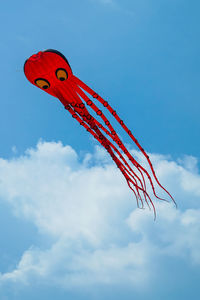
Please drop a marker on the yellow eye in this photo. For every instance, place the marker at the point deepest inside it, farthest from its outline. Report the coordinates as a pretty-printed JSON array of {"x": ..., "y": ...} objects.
[
  {"x": 61, "y": 74},
  {"x": 42, "y": 83}
]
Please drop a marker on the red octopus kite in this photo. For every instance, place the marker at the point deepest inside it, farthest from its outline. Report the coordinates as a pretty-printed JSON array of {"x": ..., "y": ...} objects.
[{"x": 50, "y": 71}]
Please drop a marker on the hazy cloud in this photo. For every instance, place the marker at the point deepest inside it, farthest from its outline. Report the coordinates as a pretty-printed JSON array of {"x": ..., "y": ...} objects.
[{"x": 98, "y": 234}]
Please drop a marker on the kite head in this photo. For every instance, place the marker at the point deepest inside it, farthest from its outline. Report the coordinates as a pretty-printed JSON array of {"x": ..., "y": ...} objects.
[{"x": 48, "y": 70}]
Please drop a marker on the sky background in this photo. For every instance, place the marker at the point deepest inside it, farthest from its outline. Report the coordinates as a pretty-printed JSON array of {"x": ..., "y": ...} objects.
[{"x": 59, "y": 237}]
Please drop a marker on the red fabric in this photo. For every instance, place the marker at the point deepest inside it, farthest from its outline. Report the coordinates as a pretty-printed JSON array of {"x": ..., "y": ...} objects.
[{"x": 71, "y": 92}]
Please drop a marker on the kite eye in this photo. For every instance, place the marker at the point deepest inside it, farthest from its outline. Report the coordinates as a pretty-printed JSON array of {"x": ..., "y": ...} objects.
[
  {"x": 42, "y": 83},
  {"x": 61, "y": 74}
]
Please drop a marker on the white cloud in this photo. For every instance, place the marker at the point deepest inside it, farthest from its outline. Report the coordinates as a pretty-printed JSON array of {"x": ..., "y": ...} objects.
[{"x": 98, "y": 235}]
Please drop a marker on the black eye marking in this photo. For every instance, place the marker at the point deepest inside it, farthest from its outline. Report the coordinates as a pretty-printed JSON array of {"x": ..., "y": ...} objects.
[
  {"x": 61, "y": 74},
  {"x": 42, "y": 83}
]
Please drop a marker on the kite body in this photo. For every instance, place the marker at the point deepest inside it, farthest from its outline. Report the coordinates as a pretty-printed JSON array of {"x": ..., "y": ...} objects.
[{"x": 50, "y": 71}]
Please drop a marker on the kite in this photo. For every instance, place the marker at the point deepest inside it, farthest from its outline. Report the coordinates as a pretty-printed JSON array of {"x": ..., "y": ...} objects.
[{"x": 50, "y": 71}]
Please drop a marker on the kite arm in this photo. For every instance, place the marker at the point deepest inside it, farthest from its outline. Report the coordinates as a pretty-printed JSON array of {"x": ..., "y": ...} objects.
[
  {"x": 116, "y": 116},
  {"x": 117, "y": 139},
  {"x": 80, "y": 108},
  {"x": 94, "y": 130},
  {"x": 108, "y": 145}
]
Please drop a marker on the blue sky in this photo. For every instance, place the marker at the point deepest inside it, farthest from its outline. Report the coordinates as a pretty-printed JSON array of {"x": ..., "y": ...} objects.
[{"x": 59, "y": 241}]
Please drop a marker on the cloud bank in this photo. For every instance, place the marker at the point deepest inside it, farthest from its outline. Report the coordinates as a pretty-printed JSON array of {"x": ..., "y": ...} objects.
[{"x": 87, "y": 211}]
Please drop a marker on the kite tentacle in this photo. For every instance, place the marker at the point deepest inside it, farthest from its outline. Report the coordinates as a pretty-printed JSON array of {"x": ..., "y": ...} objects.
[
  {"x": 133, "y": 175},
  {"x": 77, "y": 107},
  {"x": 113, "y": 112},
  {"x": 107, "y": 145},
  {"x": 112, "y": 132},
  {"x": 118, "y": 141}
]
